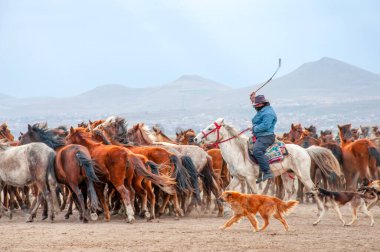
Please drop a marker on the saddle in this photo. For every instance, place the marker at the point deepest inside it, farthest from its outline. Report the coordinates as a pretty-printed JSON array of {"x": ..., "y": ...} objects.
[{"x": 274, "y": 153}]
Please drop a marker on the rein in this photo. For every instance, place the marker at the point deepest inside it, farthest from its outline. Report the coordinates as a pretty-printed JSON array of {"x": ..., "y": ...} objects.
[{"x": 218, "y": 140}]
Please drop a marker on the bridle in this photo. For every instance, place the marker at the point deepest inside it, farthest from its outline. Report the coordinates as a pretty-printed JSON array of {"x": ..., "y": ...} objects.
[{"x": 218, "y": 139}]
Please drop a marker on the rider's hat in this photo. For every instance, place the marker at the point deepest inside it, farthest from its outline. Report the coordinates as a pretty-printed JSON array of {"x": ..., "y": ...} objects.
[{"x": 260, "y": 99}]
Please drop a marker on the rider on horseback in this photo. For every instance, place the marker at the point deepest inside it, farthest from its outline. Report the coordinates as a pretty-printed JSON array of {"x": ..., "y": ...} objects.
[{"x": 263, "y": 129}]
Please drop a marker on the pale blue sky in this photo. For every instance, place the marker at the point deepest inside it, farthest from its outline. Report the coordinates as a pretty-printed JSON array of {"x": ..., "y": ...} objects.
[{"x": 63, "y": 47}]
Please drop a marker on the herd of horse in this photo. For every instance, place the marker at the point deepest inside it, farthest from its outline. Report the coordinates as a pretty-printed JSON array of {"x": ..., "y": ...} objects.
[{"x": 104, "y": 167}]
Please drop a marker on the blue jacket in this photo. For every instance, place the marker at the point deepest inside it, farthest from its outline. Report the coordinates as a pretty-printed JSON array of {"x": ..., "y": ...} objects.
[{"x": 264, "y": 122}]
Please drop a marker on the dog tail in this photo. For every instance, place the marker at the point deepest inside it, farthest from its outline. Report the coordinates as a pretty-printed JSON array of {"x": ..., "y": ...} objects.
[{"x": 285, "y": 207}]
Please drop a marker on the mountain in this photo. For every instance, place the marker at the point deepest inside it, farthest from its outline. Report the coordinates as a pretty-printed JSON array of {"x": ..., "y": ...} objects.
[
  {"x": 323, "y": 92},
  {"x": 324, "y": 80}
]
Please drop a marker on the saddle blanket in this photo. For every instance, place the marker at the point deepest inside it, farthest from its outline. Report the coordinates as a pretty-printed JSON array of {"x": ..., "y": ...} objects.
[{"x": 274, "y": 153}]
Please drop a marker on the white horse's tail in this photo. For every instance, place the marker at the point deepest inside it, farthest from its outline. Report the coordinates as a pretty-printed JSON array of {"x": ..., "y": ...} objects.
[{"x": 325, "y": 160}]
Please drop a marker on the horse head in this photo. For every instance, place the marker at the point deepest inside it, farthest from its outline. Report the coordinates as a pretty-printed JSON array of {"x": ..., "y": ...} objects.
[
  {"x": 5, "y": 133},
  {"x": 345, "y": 133}
]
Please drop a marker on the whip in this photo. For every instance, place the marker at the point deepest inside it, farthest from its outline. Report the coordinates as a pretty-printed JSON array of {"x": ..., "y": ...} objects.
[{"x": 265, "y": 83}]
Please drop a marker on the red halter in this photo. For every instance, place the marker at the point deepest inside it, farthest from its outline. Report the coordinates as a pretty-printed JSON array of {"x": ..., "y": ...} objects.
[{"x": 218, "y": 140}]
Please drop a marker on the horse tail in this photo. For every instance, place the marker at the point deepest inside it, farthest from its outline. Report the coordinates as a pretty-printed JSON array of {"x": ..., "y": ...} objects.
[
  {"x": 153, "y": 167},
  {"x": 325, "y": 160},
  {"x": 207, "y": 176},
  {"x": 163, "y": 182},
  {"x": 50, "y": 175},
  {"x": 86, "y": 162},
  {"x": 181, "y": 175},
  {"x": 373, "y": 152},
  {"x": 225, "y": 174},
  {"x": 51, "y": 179},
  {"x": 192, "y": 171}
]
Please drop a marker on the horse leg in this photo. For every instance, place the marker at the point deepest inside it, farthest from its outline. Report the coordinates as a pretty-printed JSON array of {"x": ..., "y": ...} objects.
[
  {"x": 300, "y": 192},
  {"x": 26, "y": 196},
  {"x": 287, "y": 183},
  {"x": 144, "y": 198},
  {"x": 217, "y": 192},
  {"x": 47, "y": 196},
  {"x": 20, "y": 200},
  {"x": 251, "y": 182},
  {"x": 79, "y": 201},
  {"x": 152, "y": 200},
  {"x": 2, "y": 207},
  {"x": 233, "y": 184},
  {"x": 6, "y": 197},
  {"x": 125, "y": 196},
  {"x": 35, "y": 205},
  {"x": 70, "y": 208},
  {"x": 100, "y": 192},
  {"x": 177, "y": 209},
  {"x": 164, "y": 204}
]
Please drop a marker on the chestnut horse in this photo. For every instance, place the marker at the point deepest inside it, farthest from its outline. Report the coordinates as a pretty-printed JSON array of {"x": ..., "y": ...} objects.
[
  {"x": 182, "y": 167},
  {"x": 360, "y": 158},
  {"x": 73, "y": 166},
  {"x": 169, "y": 164},
  {"x": 122, "y": 164}
]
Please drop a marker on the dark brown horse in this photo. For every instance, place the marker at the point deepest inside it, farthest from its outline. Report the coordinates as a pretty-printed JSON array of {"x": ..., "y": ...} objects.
[
  {"x": 360, "y": 158},
  {"x": 73, "y": 166}
]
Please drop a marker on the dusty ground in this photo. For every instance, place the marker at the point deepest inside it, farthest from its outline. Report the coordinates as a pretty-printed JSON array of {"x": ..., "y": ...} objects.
[{"x": 191, "y": 234}]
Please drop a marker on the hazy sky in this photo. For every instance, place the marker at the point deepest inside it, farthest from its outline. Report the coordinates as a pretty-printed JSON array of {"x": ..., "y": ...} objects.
[{"x": 64, "y": 47}]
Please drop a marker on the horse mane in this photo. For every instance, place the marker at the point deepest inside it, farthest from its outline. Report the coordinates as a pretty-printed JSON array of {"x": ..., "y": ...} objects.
[
  {"x": 241, "y": 142},
  {"x": 47, "y": 136}
]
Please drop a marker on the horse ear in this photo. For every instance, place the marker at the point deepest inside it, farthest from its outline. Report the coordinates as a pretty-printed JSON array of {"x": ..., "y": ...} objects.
[
  {"x": 292, "y": 126},
  {"x": 89, "y": 121},
  {"x": 71, "y": 130},
  {"x": 29, "y": 127},
  {"x": 21, "y": 134},
  {"x": 339, "y": 127}
]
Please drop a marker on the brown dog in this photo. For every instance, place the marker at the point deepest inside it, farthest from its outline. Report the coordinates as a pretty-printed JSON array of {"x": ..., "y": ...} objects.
[{"x": 247, "y": 205}]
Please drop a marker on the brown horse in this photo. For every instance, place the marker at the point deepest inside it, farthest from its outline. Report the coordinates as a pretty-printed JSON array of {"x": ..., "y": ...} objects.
[
  {"x": 122, "y": 165},
  {"x": 360, "y": 157},
  {"x": 168, "y": 162},
  {"x": 295, "y": 132},
  {"x": 73, "y": 166}
]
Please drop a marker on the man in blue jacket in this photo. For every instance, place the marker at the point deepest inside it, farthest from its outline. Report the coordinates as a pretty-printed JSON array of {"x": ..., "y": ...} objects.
[{"x": 263, "y": 129}]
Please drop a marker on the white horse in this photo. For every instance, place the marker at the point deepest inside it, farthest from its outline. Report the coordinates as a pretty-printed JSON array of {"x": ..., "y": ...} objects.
[{"x": 233, "y": 147}]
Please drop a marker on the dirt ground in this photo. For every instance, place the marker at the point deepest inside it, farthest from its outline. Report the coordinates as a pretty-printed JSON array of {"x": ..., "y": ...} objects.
[{"x": 192, "y": 233}]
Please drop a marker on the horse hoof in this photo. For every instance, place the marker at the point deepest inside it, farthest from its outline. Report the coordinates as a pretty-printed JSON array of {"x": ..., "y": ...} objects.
[
  {"x": 147, "y": 215},
  {"x": 94, "y": 216},
  {"x": 131, "y": 220},
  {"x": 220, "y": 215},
  {"x": 29, "y": 218},
  {"x": 67, "y": 216},
  {"x": 44, "y": 217}
]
